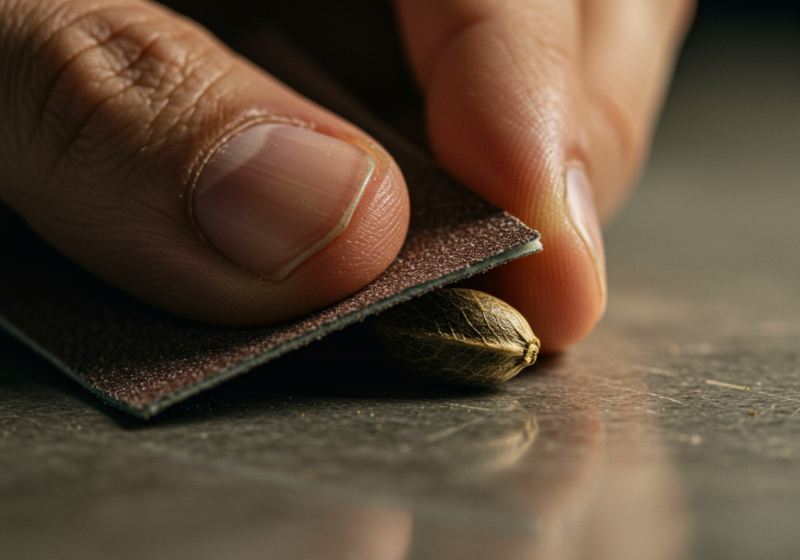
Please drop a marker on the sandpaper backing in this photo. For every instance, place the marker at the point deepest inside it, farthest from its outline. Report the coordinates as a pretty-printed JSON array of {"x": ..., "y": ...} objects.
[{"x": 142, "y": 360}]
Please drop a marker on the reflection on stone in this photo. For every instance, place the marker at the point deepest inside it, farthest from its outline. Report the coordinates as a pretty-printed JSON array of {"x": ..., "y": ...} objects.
[
  {"x": 476, "y": 448},
  {"x": 415, "y": 443},
  {"x": 564, "y": 462}
]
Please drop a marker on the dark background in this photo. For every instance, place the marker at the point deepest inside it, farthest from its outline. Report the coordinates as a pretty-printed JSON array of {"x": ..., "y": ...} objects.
[{"x": 355, "y": 40}]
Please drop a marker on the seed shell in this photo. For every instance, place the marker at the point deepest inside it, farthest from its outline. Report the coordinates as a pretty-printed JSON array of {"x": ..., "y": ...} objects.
[{"x": 459, "y": 336}]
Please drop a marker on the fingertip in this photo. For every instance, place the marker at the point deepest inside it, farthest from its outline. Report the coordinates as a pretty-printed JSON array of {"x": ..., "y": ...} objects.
[
  {"x": 507, "y": 124},
  {"x": 350, "y": 260},
  {"x": 562, "y": 290}
]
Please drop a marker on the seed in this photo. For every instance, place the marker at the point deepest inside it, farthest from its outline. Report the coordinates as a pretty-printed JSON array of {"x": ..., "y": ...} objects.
[{"x": 459, "y": 336}]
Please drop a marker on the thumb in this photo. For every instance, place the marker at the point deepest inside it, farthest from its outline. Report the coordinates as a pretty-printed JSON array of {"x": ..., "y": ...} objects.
[{"x": 147, "y": 152}]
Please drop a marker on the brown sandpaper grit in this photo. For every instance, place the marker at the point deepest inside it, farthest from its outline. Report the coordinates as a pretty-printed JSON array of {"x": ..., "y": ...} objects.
[{"x": 142, "y": 360}]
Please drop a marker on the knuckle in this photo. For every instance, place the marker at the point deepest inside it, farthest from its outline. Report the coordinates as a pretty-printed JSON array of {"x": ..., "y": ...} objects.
[{"x": 108, "y": 81}]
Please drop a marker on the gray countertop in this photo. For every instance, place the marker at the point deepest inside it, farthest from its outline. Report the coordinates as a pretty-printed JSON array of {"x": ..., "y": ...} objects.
[{"x": 672, "y": 432}]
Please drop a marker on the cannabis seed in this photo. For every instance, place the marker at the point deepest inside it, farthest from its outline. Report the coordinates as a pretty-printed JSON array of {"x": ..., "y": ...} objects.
[{"x": 459, "y": 336}]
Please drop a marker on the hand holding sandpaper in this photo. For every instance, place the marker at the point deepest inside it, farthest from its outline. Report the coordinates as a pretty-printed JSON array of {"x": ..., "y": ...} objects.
[{"x": 138, "y": 145}]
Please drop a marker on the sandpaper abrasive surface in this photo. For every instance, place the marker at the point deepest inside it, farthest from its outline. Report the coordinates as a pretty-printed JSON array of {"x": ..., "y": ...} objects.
[{"x": 142, "y": 360}]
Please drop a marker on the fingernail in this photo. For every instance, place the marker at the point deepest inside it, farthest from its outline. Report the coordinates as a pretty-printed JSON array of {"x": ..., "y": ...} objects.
[
  {"x": 275, "y": 194},
  {"x": 584, "y": 217}
]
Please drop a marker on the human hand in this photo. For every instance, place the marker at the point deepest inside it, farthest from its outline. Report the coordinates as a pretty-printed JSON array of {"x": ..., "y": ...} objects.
[{"x": 121, "y": 122}]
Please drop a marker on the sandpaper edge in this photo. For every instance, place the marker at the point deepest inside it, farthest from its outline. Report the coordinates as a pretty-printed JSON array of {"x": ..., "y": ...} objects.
[
  {"x": 530, "y": 247},
  {"x": 17, "y": 333}
]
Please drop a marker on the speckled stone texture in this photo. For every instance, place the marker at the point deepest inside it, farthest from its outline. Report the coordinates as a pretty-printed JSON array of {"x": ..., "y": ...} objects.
[{"x": 142, "y": 360}]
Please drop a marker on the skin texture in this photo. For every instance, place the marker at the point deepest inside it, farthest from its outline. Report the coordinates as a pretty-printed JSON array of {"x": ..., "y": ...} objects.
[{"x": 109, "y": 108}]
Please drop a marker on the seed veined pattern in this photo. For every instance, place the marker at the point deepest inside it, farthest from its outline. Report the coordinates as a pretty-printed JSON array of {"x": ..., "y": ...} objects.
[{"x": 459, "y": 336}]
